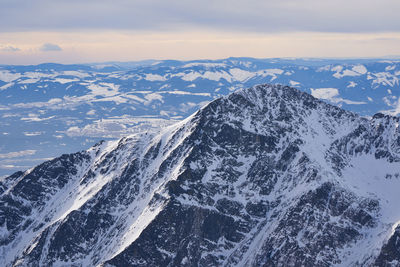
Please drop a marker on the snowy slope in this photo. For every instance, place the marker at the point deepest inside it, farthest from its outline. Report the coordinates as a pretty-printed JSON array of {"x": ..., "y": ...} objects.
[
  {"x": 49, "y": 109},
  {"x": 266, "y": 176}
]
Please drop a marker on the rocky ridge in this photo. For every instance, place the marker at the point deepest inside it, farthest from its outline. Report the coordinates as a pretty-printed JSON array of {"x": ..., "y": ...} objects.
[{"x": 266, "y": 176}]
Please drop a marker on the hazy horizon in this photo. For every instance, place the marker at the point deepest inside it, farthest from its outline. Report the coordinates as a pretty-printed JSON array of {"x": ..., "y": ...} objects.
[
  {"x": 390, "y": 57},
  {"x": 100, "y": 31}
]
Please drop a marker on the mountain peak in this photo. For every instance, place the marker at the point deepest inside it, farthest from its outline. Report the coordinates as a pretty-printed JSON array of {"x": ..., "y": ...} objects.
[{"x": 265, "y": 176}]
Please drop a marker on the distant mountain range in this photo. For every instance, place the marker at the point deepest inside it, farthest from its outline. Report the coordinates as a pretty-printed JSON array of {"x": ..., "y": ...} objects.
[
  {"x": 266, "y": 176},
  {"x": 49, "y": 109}
]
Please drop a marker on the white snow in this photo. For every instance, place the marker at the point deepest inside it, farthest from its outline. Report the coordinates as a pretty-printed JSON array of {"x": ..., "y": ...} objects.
[
  {"x": 377, "y": 179},
  {"x": 356, "y": 70},
  {"x": 117, "y": 127},
  {"x": 332, "y": 94},
  {"x": 324, "y": 68},
  {"x": 216, "y": 76},
  {"x": 153, "y": 97},
  {"x": 33, "y": 133},
  {"x": 241, "y": 75},
  {"x": 352, "y": 84},
  {"x": 361, "y": 69},
  {"x": 79, "y": 74},
  {"x": 293, "y": 83},
  {"x": 154, "y": 77},
  {"x": 324, "y": 93},
  {"x": 103, "y": 89},
  {"x": 64, "y": 80},
  {"x": 392, "y": 67},
  {"x": 178, "y": 92},
  {"x": 270, "y": 72},
  {"x": 7, "y": 85},
  {"x": 16, "y": 154},
  {"x": 209, "y": 75},
  {"x": 234, "y": 74},
  {"x": 385, "y": 78},
  {"x": 396, "y": 107},
  {"x": 204, "y": 64},
  {"x": 28, "y": 81},
  {"x": 7, "y": 76}
]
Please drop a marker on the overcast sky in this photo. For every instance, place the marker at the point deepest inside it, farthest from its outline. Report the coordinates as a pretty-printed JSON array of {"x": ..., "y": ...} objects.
[{"x": 70, "y": 31}]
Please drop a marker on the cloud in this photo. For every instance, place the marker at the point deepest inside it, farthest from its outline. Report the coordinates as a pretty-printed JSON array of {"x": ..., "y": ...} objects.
[
  {"x": 235, "y": 15},
  {"x": 17, "y": 154},
  {"x": 388, "y": 39},
  {"x": 50, "y": 47},
  {"x": 9, "y": 48}
]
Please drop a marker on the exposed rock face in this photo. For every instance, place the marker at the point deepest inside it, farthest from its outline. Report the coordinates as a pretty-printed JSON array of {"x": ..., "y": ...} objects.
[
  {"x": 267, "y": 176},
  {"x": 390, "y": 253}
]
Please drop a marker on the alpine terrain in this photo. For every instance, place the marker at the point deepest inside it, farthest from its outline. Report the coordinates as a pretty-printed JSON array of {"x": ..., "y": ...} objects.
[
  {"x": 265, "y": 176},
  {"x": 50, "y": 109}
]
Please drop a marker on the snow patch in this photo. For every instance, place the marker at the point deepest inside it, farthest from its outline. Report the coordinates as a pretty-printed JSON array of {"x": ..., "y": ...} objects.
[{"x": 331, "y": 94}]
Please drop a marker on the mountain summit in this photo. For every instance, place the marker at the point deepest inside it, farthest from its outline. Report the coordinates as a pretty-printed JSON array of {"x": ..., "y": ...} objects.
[{"x": 266, "y": 176}]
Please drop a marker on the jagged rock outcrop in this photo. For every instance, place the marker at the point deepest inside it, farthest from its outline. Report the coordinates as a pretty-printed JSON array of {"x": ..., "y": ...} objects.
[{"x": 267, "y": 176}]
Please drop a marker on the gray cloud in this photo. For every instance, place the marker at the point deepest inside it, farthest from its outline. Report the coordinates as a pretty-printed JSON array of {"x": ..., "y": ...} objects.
[
  {"x": 233, "y": 15},
  {"x": 9, "y": 48},
  {"x": 50, "y": 47},
  {"x": 386, "y": 39}
]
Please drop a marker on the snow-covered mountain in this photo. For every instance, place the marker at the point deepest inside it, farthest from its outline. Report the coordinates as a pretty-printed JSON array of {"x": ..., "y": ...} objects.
[
  {"x": 49, "y": 109},
  {"x": 266, "y": 176}
]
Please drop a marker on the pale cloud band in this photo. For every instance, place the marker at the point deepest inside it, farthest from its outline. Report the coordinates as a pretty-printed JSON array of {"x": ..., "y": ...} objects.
[
  {"x": 84, "y": 47},
  {"x": 126, "y": 30},
  {"x": 9, "y": 48},
  {"x": 226, "y": 15}
]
